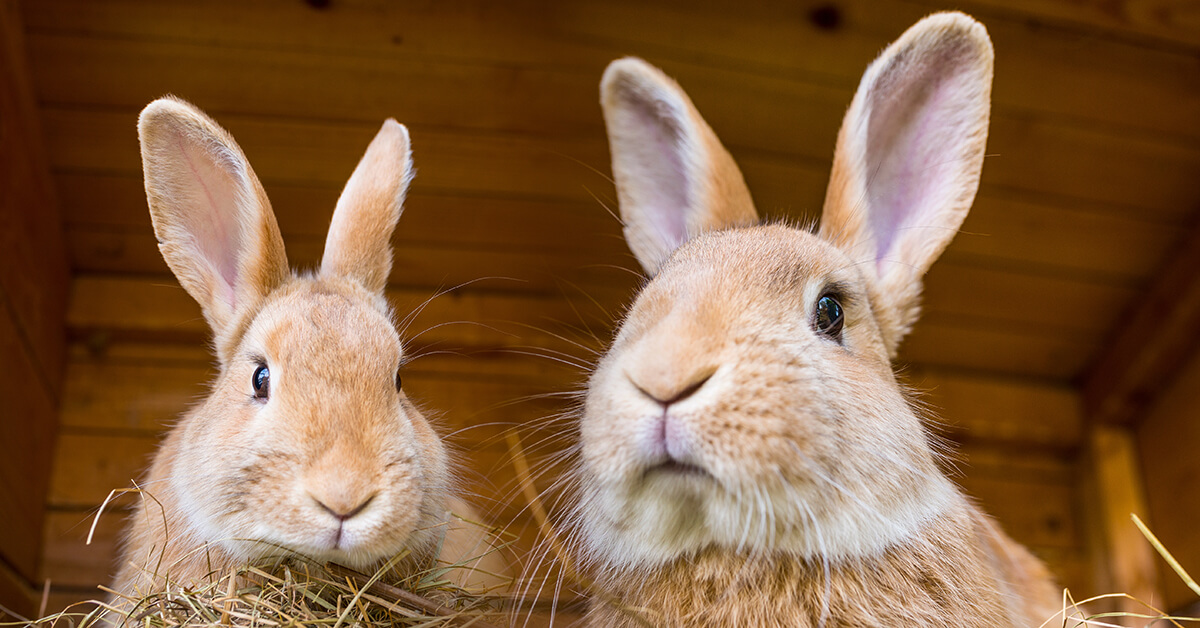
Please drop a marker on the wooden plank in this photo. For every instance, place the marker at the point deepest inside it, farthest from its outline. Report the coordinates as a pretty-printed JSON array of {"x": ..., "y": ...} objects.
[
  {"x": 33, "y": 264},
  {"x": 987, "y": 347},
  {"x": 1034, "y": 495},
  {"x": 973, "y": 408},
  {"x": 27, "y": 431},
  {"x": 70, "y": 561},
  {"x": 1059, "y": 71},
  {"x": 1037, "y": 513},
  {"x": 1166, "y": 444},
  {"x": 89, "y": 466},
  {"x": 1028, "y": 155},
  {"x": 458, "y": 162},
  {"x": 33, "y": 285},
  {"x": 158, "y": 309},
  {"x": 1069, "y": 241},
  {"x": 461, "y": 319},
  {"x": 1062, "y": 240},
  {"x": 1070, "y": 74},
  {"x": 1155, "y": 336},
  {"x": 520, "y": 368},
  {"x": 952, "y": 289},
  {"x": 1120, "y": 491},
  {"x": 16, "y": 595},
  {"x": 1046, "y": 303},
  {"x": 118, "y": 203},
  {"x": 415, "y": 264},
  {"x": 1164, "y": 24}
]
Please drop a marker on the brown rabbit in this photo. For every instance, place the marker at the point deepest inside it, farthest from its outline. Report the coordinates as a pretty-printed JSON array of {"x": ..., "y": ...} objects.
[
  {"x": 748, "y": 457},
  {"x": 306, "y": 441}
]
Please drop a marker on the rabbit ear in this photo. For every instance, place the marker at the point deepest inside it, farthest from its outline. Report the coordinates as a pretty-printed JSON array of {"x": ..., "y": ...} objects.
[
  {"x": 908, "y": 160},
  {"x": 674, "y": 178},
  {"x": 359, "y": 242},
  {"x": 213, "y": 221}
]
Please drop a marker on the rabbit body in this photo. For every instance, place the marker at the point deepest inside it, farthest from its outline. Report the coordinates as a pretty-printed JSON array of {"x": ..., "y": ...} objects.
[
  {"x": 961, "y": 572},
  {"x": 306, "y": 443},
  {"x": 747, "y": 454}
]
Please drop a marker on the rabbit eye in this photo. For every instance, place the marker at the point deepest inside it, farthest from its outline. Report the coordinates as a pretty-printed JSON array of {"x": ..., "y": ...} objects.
[
  {"x": 828, "y": 318},
  {"x": 398, "y": 383},
  {"x": 262, "y": 382}
]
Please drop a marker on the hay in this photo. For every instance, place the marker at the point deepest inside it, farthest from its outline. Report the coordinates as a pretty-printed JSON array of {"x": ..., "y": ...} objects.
[
  {"x": 294, "y": 591},
  {"x": 1075, "y": 615}
]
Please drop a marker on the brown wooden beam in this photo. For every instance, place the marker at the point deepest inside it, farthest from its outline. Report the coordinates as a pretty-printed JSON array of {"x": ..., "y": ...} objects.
[
  {"x": 33, "y": 291},
  {"x": 1156, "y": 336}
]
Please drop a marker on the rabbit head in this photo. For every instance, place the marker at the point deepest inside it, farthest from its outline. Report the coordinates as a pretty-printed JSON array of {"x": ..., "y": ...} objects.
[
  {"x": 748, "y": 402},
  {"x": 306, "y": 440}
]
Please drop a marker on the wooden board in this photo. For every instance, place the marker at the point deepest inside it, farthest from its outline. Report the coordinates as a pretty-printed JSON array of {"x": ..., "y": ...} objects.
[
  {"x": 1025, "y": 324},
  {"x": 33, "y": 286},
  {"x": 975, "y": 408},
  {"x": 27, "y": 431},
  {"x": 1081, "y": 165},
  {"x": 1061, "y": 72},
  {"x": 1166, "y": 444},
  {"x": 33, "y": 265},
  {"x": 1164, "y": 24},
  {"x": 1002, "y": 229}
]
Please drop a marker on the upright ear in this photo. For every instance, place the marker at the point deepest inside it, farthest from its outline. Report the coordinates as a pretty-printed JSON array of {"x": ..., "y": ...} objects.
[
  {"x": 674, "y": 178},
  {"x": 359, "y": 242},
  {"x": 214, "y": 223},
  {"x": 908, "y": 160}
]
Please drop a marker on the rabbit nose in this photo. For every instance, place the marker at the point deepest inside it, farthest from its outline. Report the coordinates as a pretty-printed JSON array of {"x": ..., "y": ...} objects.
[
  {"x": 666, "y": 394},
  {"x": 340, "y": 507}
]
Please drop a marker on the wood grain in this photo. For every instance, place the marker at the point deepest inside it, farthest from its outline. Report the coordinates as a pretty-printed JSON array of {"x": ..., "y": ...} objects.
[
  {"x": 1166, "y": 441},
  {"x": 1064, "y": 72},
  {"x": 33, "y": 285}
]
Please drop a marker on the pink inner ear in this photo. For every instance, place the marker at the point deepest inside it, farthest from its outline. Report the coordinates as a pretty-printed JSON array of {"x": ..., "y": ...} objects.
[
  {"x": 663, "y": 181},
  {"x": 215, "y": 225},
  {"x": 914, "y": 154}
]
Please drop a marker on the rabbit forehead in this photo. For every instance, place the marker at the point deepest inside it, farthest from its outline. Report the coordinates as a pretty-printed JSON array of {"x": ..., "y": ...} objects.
[
  {"x": 730, "y": 276},
  {"x": 327, "y": 326}
]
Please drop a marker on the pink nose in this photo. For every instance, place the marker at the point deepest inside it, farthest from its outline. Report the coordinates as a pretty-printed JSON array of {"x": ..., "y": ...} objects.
[
  {"x": 666, "y": 396},
  {"x": 339, "y": 507}
]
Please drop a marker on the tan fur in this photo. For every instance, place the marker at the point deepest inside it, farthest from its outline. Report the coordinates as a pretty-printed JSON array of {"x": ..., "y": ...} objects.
[
  {"x": 665, "y": 113},
  {"x": 335, "y": 463},
  {"x": 959, "y": 48},
  {"x": 732, "y": 452},
  {"x": 920, "y": 584}
]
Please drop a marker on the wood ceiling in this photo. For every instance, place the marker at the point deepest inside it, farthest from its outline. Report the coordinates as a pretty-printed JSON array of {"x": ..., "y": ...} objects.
[
  {"x": 1088, "y": 189},
  {"x": 1090, "y": 177}
]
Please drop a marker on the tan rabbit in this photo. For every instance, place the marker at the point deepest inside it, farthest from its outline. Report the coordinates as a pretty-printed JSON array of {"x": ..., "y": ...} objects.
[
  {"x": 306, "y": 441},
  {"x": 748, "y": 457}
]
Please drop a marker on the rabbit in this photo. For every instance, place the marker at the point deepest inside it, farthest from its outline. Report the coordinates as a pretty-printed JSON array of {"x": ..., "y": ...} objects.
[
  {"x": 747, "y": 456},
  {"x": 306, "y": 441}
]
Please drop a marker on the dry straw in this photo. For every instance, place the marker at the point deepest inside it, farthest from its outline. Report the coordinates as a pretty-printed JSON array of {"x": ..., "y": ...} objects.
[{"x": 293, "y": 591}]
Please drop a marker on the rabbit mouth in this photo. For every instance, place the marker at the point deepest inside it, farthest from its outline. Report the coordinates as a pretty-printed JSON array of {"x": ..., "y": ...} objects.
[{"x": 675, "y": 467}]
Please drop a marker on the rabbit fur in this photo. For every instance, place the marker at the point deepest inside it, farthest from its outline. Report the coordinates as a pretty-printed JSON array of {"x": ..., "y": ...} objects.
[
  {"x": 334, "y": 461},
  {"x": 742, "y": 464}
]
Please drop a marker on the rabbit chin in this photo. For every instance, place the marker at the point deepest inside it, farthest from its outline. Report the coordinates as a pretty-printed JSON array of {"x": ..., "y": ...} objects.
[
  {"x": 358, "y": 550},
  {"x": 362, "y": 544},
  {"x": 672, "y": 514}
]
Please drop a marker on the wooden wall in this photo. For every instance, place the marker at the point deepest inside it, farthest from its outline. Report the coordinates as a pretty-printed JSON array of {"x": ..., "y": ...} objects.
[
  {"x": 33, "y": 285},
  {"x": 1088, "y": 185}
]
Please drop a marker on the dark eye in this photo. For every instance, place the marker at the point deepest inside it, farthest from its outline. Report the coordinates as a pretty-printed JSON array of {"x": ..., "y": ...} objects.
[
  {"x": 828, "y": 318},
  {"x": 262, "y": 382},
  {"x": 398, "y": 383}
]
